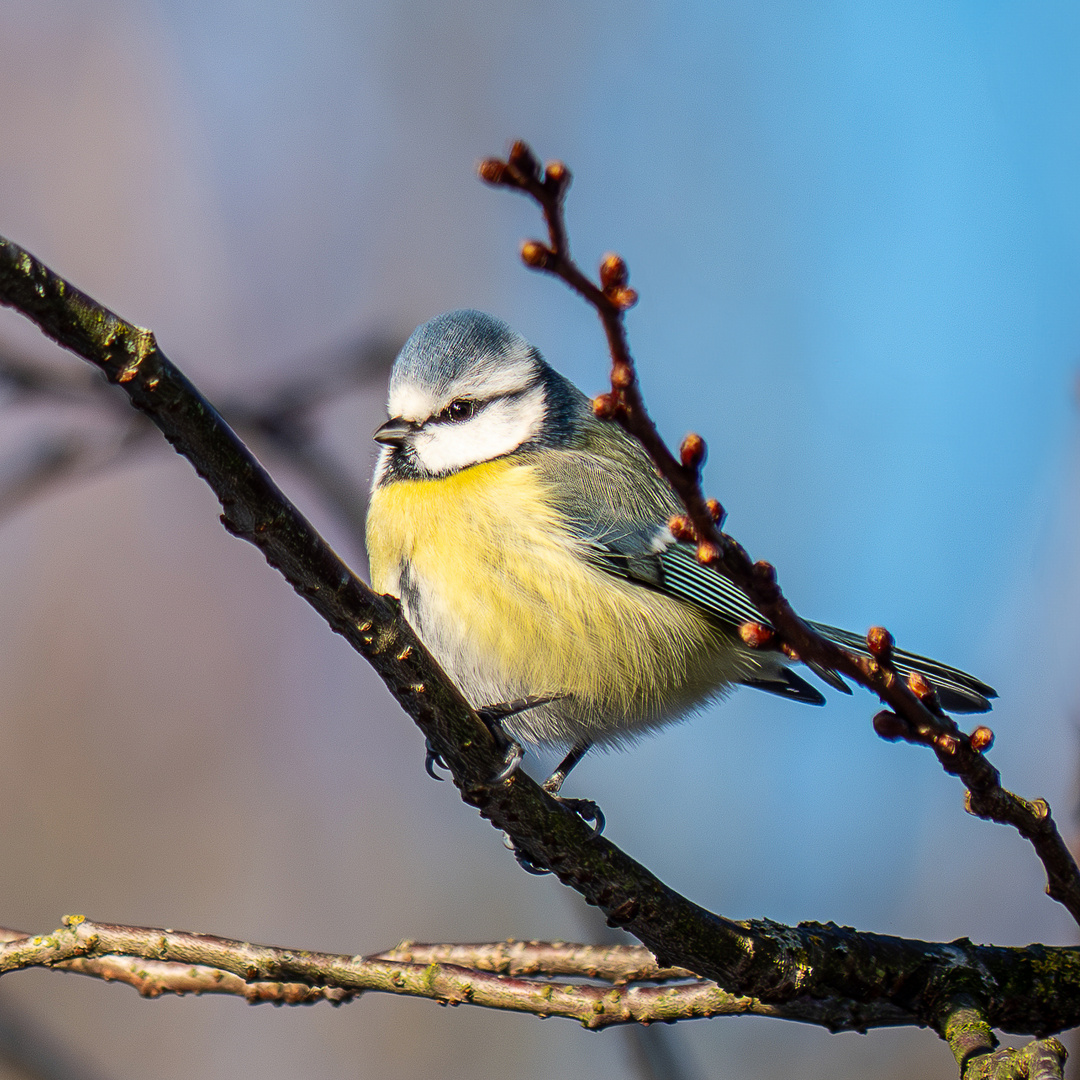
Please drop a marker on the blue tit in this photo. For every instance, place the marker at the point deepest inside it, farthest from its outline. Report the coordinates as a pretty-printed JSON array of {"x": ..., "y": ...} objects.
[{"x": 528, "y": 543}]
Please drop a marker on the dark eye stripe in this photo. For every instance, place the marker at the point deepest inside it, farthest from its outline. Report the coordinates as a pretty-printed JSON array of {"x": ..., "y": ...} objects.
[{"x": 461, "y": 409}]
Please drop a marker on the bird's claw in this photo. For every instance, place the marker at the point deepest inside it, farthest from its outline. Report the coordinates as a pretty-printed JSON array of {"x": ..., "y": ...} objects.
[
  {"x": 588, "y": 811},
  {"x": 490, "y": 715},
  {"x": 514, "y": 754},
  {"x": 526, "y": 864},
  {"x": 432, "y": 759}
]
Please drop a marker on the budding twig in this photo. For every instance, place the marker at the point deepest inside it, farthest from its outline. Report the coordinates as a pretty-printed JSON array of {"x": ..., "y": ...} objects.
[{"x": 923, "y": 721}]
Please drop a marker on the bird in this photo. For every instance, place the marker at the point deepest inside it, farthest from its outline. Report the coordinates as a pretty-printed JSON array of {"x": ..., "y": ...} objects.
[{"x": 528, "y": 543}]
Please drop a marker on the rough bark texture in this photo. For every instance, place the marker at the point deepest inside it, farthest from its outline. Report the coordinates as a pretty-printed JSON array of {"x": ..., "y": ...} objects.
[{"x": 846, "y": 979}]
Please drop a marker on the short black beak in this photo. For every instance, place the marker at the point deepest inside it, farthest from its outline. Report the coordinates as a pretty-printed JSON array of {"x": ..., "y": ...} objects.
[{"x": 394, "y": 431}]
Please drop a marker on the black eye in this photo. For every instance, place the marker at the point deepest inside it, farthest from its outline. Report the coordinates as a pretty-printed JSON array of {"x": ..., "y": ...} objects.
[{"x": 462, "y": 409}]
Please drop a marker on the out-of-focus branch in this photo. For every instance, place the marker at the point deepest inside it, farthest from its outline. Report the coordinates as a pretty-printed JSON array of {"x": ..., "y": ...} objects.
[
  {"x": 279, "y": 417},
  {"x": 612, "y": 963},
  {"x": 915, "y": 716},
  {"x": 844, "y": 980},
  {"x": 157, "y": 962}
]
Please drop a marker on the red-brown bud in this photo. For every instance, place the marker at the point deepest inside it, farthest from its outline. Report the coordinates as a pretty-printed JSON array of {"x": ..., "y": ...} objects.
[
  {"x": 622, "y": 376},
  {"x": 946, "y": 744},
  {"x": 524, "y": 160},
  {"x": 492, "y": 171},
  {"x": 765, "y": 572},
  {"x": 534, "y": 254},
  {"x": 682, "y": 528},
  {"x": 557, "y": 176},
  {"x": 716, "y": 511},
  {"x": 693, "y": 451},
  {"x": 890, "y": 726},
  {"x": 919, "y": 686},
  {"x": 981, "y": 739},
  {"x": 623, "y": 298},
  {"x": 708, "y": 553},
  {"x": 756, "y": 634},
  {"x": 613, "y": 272},
  {"x": 880, "y": 642},
  {"x": 603, "y": 406}
]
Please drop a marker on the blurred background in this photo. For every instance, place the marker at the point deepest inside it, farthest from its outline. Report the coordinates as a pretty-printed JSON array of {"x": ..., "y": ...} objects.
[{"x": 855, "y": 231}]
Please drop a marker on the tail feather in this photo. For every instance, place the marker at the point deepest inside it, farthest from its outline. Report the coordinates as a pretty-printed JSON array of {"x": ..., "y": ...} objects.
[
  {"x": 783, "y": 682},
  {"x": 957, "y": 691}
]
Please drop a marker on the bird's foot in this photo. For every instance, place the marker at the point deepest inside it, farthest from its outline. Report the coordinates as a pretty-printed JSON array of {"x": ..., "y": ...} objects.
[
  {"x": 523, "y": 860},
  {"x": 432, "y": 760},
  {"x": 588, "y": 811},
  {"x": 492, "y": 716},
  {"x": 511, "y": 762},
  {"x": 585, "y": 809}
]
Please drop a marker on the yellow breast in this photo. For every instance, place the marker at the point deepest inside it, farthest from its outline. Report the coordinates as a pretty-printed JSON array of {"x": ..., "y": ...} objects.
[{"x": 501, "y": 594}]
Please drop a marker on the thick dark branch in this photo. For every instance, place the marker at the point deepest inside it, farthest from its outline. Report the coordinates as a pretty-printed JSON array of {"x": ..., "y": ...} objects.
[
  {"x": 919, "y": 720},
  {"x": 847, "y": 976}
]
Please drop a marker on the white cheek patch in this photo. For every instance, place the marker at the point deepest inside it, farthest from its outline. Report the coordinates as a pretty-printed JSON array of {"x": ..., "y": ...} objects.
[{"x": 497, "y": 429}]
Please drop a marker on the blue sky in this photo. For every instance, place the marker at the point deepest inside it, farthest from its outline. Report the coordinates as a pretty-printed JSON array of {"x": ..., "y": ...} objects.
[{"x": 855, "y": 232}]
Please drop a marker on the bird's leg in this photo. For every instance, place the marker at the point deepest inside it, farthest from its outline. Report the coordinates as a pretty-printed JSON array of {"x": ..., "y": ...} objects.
[
  {"x": 492, "y": 717},
  {"x": 555, "y": 781},
  {"x": 584, "y": 808}
]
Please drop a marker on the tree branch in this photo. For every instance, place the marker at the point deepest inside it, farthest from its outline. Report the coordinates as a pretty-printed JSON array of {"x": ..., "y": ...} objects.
[
  {"x": 916, "y": 718},
  {"x": 278, "y": 417},
  {"x": 975, "y": 1048},
  {"x": 844, "y": 979},
  {"x": 157, "y": 962}
]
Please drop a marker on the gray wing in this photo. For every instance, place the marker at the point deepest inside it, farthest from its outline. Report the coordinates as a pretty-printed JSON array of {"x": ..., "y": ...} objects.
[{"x": 614, "y": 501}]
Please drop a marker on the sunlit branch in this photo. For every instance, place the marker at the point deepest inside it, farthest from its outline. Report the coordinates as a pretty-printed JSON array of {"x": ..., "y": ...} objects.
[{"x": 915, "y": 716}]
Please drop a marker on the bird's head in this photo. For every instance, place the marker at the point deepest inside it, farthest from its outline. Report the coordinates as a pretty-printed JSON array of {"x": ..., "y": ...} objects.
[{"x": 465, "y": 388}]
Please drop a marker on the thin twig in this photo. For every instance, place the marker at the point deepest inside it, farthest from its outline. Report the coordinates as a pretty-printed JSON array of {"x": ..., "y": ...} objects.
[
  {"x": 277, "y": 417},
  {"x": 960, "y": 754},
  {"x": 158, "y": 962},
  {"x": 843, "y": 979},
  {"x": 612, "y": 963}
]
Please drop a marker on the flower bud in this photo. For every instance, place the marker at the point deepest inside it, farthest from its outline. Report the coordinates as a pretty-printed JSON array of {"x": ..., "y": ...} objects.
[
  {"x": 682, "y": 528},
  {"x": 765, "y": 572},
  {"x": 557, "y": 176},
  {"x": 890, "y": 726},
  {"x": 707, "y": 553},
  {"x": 603, "y": 406},
  {"x": 946, "y": 744},
  {"x": 880, "y": 642},
  {"x": 919, "y": 686},
  {"x": 492, "y": 171},
  {"x": 756, "y": 634},
  {"x": 524, "y": 160},
  {"x": 613, "y": 272},
  {"x": 693, "y": 451},
  {"x": 534, "y": 254}
]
